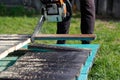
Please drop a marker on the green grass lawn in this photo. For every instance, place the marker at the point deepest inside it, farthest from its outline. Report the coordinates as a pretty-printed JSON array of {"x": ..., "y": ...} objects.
[{"x": 107, "y": 61}]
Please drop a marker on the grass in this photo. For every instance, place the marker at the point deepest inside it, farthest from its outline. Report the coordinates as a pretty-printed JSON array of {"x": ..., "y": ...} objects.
[{"x": 107, "y": 62}]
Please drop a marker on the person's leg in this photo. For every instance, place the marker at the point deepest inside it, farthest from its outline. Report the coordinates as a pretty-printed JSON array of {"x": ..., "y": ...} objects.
[
  {"x": 63, "y": 27},
  {"x": 87, "y": 17}
]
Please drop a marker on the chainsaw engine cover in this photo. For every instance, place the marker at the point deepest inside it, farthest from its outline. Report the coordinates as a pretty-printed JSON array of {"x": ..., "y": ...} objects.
[{"x": 54, "y": 10}]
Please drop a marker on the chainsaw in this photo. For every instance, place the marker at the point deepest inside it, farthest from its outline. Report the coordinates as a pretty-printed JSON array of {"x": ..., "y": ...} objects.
[
  {"x": 56, "y": 10},
  {"x": 53, "y": 11}
]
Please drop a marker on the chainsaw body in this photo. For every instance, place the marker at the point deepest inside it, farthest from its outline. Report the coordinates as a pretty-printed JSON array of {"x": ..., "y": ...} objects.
[{"x": 54, "y": 10}]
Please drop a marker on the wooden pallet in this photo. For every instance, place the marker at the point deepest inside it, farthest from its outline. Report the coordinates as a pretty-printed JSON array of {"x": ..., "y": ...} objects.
[
  {"x": 55, "y": 48},
  {"x": 10, "y": 43},
  {"x": 47, "y": 66},
  {"x": 8, "y": 61}
]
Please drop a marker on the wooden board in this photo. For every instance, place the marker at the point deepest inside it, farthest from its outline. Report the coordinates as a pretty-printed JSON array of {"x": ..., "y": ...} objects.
[
  {"x": 10, "y": 43},
  {"x": 47, "y": 66},
  {"x": 65, "y": 37},
  {"x": 85, "y": 69},
  {"x": 55, "y": 48}
]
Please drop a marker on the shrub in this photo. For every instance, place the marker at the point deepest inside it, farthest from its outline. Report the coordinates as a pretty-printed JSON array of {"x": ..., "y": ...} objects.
[{"x": 16, "y": 11}]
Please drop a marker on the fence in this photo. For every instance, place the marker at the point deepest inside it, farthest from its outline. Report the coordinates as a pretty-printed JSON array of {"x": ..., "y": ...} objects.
[
  {"x": 108, "y": 7},
  {"x": 103, "y": 7}
]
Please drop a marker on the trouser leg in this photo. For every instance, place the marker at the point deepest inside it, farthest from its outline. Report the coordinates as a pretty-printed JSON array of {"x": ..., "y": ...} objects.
[
  {"x": 87, "y": 17},
  {"x": 63, "y": 28},
  {"x": 87, "y": 20}
]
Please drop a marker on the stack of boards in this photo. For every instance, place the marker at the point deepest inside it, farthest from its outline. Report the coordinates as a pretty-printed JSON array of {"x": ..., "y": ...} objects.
[
  {"x": 10, "y": 43},
  {"x": 57, "y": 63}
]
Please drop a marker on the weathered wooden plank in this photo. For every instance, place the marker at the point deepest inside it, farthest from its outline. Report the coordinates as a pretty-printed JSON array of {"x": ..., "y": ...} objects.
[
  {"x": 65, "y": 37},
  {"x": 46, "y": 57},
  {"x": 50, "y": 54},
  {"x": 55, "y": 66},
  {"x": 13, "y": 48},
  {"x": 10, "y": 43},
  {"x": 40, "y": 76},
  {"x": 14, "y": 37},
  {"x": 3, "y": 48},
  {"x": 45, "y": 70},
  {"x": 55, "y": 48},
  {"x": 56, "y": 57}
]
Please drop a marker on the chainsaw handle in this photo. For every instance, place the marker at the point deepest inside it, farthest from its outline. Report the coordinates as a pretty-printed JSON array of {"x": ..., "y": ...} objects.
[{"x": 69, "y": 10}]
